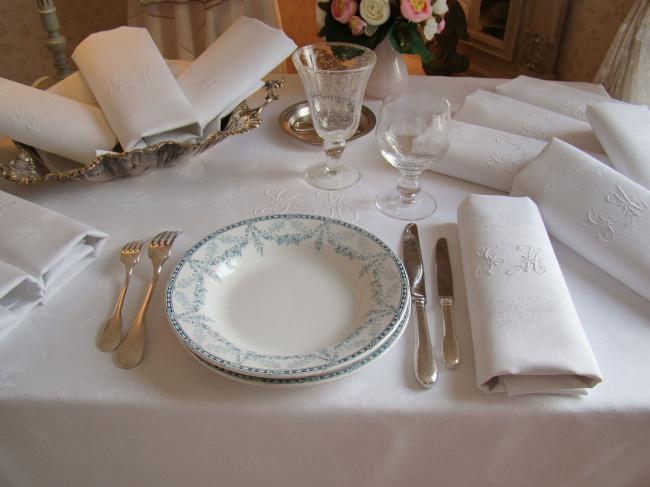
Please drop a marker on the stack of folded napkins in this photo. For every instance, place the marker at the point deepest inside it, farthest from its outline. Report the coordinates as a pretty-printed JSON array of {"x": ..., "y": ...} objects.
[
  {"x": 526, "y": 333},
  {"x": 518, "y": 117},
  {"x": 550, "y": 95},
  {"x": 126, "y": 92},
  {"x": 533, "y": 138},
  {"x": 495, "y": 135},
  {"x": 40, "y": 250}
]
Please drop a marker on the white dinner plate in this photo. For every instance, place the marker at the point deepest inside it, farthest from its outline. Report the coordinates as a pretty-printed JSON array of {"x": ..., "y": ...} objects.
[
  {"x": 314, "y": 379},
  {"x": 287, "y": 296}
]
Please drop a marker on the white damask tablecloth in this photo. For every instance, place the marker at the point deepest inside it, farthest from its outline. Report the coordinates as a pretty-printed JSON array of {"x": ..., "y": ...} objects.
[{"x": 69, "y": 417}]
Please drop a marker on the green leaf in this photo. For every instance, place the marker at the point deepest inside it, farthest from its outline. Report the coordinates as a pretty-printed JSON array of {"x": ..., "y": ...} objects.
[
  {"x": 406, "y": 39},
  {"x": 324, "y": 6}
]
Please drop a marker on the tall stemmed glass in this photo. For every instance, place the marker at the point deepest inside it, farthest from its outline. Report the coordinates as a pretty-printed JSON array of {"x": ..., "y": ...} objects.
[
  {"x": 334, "y": 75},
  {"x": 413, "y": 133}
]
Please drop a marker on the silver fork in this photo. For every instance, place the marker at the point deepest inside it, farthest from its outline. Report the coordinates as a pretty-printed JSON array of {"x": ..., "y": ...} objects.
[
  {"x": 109, "y": 338},
  {"x": 129, "y": 352}
]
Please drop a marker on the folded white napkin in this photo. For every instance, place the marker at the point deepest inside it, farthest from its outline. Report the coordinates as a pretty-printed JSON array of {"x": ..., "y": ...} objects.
[
  {"x": 598, "y": 212},
  {"x": 503, "y": 113},
  {"x": 75, "y": 87},
  {"x": 623, "y": 130},
  {"x": 132, "y": 84},
  {"x": 486, "y": 156},
  {"x": 526, "y": 333},
  {"x": 550, "y": 95},
  {"x": 19, "y": 293},
  {"x": 238, "y": 59},
  {"x": 51, "y": 122},
  {"x": 50, "y": 247}
]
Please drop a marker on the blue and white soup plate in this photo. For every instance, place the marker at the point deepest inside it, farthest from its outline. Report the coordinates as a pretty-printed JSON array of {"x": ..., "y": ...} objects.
[
  {"x": 312, "y": 379},
  {"x": 288, "y": 297}
]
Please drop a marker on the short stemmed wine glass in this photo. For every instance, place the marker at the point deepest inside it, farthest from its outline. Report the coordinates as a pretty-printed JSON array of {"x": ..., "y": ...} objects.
[
  {"x": 413, "y": 133},
  {"x": 334, "y": 75}
]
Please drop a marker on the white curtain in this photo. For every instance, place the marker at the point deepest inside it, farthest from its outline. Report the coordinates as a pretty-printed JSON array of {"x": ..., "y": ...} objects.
[
  {"x": 625, "y": 71},
  {"x": 182, "y": 29}
]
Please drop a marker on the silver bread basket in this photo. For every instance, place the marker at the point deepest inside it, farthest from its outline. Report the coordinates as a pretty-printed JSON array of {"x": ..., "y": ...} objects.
[{"x": 28, "y": 168}]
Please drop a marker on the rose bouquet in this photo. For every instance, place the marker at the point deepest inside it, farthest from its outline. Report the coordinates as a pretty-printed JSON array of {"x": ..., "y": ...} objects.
[{"x": 410, "y": 25}]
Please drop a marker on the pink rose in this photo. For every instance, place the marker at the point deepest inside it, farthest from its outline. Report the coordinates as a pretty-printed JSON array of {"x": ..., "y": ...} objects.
[
  {"x": 415, "y": 10},
  {"x": 343, "y": 10},
  {"x": 357, "y": 25},
  {"x": 441, "y": 26}
]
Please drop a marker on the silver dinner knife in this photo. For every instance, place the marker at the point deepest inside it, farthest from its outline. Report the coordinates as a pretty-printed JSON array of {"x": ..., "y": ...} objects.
[
  {"x": 426, "y": 370},
  {"x": 450, "y": 346}
]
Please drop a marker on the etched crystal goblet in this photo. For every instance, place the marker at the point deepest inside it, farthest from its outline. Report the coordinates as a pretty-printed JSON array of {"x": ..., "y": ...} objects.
[{"x": 334, "y": 75}]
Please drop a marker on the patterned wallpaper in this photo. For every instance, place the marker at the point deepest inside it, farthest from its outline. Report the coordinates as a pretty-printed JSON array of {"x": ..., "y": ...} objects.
[
  {"x": 591, "y": 26},
  {"x": 23, "y": 55}
]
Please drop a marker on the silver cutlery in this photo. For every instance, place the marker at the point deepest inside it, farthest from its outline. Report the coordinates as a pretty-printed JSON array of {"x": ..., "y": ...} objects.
[
  {"x": 426, "y": 370},
  {"x": 109, "y": 338},
  {"x": 450, "y": 346},
  {"x": 130, "y": 350}
]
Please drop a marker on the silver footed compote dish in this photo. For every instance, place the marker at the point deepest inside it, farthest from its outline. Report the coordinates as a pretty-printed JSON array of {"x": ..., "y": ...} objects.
[
  {"x": 287, "y": 297},
  {"x": 29, "y": 168}
]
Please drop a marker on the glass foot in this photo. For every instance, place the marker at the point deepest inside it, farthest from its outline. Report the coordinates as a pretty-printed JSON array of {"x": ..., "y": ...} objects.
[
  {"x": 390, "y": 203},
  {"x": 319, "y": 176}
]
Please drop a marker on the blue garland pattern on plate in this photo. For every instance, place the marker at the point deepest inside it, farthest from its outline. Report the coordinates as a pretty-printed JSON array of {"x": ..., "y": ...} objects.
[
  {"x": 316, "y": 379},
  {"x": 217, "y": 249}
]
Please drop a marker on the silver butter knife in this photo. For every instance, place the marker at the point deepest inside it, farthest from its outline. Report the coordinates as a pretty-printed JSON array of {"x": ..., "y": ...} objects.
[
  {"x": 450, "y": 346},
  {"x": 426, "y": 370}
]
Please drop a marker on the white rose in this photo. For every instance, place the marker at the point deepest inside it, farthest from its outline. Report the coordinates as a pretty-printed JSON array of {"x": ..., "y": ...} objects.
[
  {"x": 374, "y": 12},
  {"x": 320, "y": 16},
  {"x": 440, "y": 7},
  {"x": 430, "y": 28}
]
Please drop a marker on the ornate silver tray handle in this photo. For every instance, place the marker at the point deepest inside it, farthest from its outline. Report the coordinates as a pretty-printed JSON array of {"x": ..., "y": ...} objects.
[{"x": 28, "y": 167}]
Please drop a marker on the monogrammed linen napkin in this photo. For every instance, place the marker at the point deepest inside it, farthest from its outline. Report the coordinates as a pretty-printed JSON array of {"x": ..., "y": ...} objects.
[
  {"x": 133, "y": 86},
  {"x": 601, "y": 214},
  {"x": 53, "y": 123},
  {"x": 75, "y": 87},
  {"x": 50, "y": 247},
  {"x": 231, "y": 65},
  {"x": 526, "y": 333},
  {"x": 623, "y": 129},
  {"x": 19, "y": 293},
  {"x": 486, "y": 156},
  {"x": 510, "y": 115},
  {"x": 550, "y": 95}
]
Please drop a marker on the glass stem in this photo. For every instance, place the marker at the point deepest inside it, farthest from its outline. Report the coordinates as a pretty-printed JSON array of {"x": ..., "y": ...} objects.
[
  {"x": 408, "y": 186},
  {"x": 333, "y": 150}
]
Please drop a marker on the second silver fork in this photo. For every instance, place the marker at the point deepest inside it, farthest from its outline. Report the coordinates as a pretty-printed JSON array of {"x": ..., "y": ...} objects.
[
  {"x": 109, "y": 338},
  {"x": 129, "y": 352}
]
